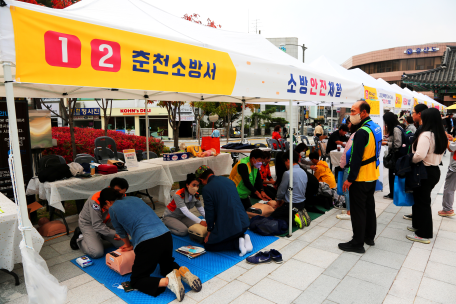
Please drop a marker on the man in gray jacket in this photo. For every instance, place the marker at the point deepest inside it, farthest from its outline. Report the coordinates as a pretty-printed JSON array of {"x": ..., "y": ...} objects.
[
  {"x": 450, "y": 182},
  {"x": 95, "y": 224}
]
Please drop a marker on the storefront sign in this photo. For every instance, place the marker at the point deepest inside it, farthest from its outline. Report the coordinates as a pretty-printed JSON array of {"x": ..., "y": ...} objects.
[
  {"x": 424, "y": 50},
  {"x": 133, "y": 111},
  {"x": 24, "y": 143},
  {"x": 185, "y": 117},
  {"x": 87, "y": 111}
]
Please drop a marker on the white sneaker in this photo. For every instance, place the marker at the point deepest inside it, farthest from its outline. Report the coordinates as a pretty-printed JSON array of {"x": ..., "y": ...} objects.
[
  {"x": 175, "y": 284},
  {"x": 343, "y": 211},
  {"x": 343, "y": 216},
  {"x": 410, "y": 228},
  {"x": 416, "y": 238}
]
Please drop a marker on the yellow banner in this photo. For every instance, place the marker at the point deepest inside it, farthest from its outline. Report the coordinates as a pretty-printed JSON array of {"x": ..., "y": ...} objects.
[
  {"x": 398, "y": 102},
  {"x": 55, "y": 50},
  {"x": 370, "y": 95},
  {"x": 425, "y": 102},
  {"x": 415, "y": 101}
]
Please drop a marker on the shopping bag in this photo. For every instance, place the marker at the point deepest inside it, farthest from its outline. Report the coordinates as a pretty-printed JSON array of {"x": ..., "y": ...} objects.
[
  {"x": 401, "y": 198},
  {"x": 208, "y": 143},
  {"x": 340, "y": 182}
]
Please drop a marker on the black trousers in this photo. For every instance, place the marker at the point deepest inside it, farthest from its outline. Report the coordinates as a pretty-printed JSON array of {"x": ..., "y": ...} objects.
[
  {"x": 362, "y": 210},
  {"x": 391, "y": 177},
  {"x": 231, "y": 243},
  {"x": 149, "y": 254},
  {"x": 246, "y": 202},
  {"x": 283, "y": 212},
  {"x": 421, "y": 209},
  {"x": 270, "y": 191}
]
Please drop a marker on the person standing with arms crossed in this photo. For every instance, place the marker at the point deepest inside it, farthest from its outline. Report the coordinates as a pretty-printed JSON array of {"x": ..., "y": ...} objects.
[{"x": 362, "y": 177}]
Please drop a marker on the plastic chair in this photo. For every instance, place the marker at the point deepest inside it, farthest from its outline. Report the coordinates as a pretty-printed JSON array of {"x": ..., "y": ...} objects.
[
  {"x": 151, "y": 155},
  {"x": 85, "y": 159},
  {"x": 83, "y": 154},
  {"x": 103, "y": 153},
  {"x": 46, "y": 162}
]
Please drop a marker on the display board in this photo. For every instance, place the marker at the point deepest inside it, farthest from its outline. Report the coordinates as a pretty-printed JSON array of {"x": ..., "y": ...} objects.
[{"x": 24, "y": 143}]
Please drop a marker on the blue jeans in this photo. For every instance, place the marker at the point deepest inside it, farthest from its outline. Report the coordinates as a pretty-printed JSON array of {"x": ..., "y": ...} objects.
[{"x": 347, "y": 198}]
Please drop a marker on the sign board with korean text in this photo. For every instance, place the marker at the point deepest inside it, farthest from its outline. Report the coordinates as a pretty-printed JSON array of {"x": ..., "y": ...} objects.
[
  {"x": 24, "y": 144},
  {"x": 398, "y": 102},
  {"x": 87, "y": 112},
  {"x": 387, "y": 98},
  {"x": 423, "y": 50},
  {"x": 130, "y": 158},
  {"x": 84, "y": 51}
]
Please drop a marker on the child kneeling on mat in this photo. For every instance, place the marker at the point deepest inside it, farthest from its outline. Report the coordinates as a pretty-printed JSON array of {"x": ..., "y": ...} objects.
[
  {"x": 152, "y": 243},
  {"x": 177, "y": 216}
]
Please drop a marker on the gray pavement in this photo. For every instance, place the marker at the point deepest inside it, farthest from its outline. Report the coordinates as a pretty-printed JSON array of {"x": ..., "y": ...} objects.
[{"x": 395, "y": 270}]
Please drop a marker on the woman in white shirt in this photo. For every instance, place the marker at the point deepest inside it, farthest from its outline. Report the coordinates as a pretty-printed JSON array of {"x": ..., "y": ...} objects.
[{"x": 428, "y": 148}]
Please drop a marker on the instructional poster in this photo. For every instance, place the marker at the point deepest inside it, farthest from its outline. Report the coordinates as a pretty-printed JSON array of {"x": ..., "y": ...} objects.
[{"x": 130, "y": 158}]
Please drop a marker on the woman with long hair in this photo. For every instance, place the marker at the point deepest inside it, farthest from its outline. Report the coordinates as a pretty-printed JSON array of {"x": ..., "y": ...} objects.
[
  {"x": 394, "y": 142},
  {"x": 428, "y": 147}
]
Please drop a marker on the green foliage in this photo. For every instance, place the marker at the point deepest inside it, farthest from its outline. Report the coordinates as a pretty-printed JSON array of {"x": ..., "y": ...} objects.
[{"x": 267, "y": 118}]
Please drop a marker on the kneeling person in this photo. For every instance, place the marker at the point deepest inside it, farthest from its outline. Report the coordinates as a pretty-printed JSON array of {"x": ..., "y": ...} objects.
[
  {"x": 322, "y": 171},
  {"x": 152, "y": 243},
  {"x": 226, "y": 218},
  {"x": 95, "y": 223},
  {"x": 177, "y": 216}
]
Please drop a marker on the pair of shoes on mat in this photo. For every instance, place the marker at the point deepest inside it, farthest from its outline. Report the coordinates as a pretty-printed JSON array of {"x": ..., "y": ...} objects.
[
  {"x": 264, "y": 257},
  {"x": 175, "y": 283}
]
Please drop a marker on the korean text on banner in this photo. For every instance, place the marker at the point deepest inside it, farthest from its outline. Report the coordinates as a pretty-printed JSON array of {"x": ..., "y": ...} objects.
[
  {"x": 398, "y": 103},
  {"x": 70, "y": 52},
  {"x": 415, "y": 101},
  {"x": 370, "y": 95}
]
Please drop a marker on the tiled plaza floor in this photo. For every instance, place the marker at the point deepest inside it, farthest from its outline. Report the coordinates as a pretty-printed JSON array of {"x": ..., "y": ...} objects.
[{"x": 395, "y": 270}]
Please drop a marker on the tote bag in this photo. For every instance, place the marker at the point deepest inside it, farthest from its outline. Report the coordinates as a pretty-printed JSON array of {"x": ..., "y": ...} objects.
[
  {"x": 401, "y": 199},
  {"x": 340, "y": 182}
]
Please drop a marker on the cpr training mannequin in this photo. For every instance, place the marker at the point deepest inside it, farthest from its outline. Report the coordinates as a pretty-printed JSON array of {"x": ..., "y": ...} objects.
[
  {"x": 95, "y": 223},
  {"x": 152, "y": 243},
  {"x": 177, "y": 216}
]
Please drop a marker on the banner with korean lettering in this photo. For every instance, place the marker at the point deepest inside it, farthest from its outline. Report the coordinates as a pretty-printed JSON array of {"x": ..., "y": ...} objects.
[
  {"x": 387, "y": 98},
  {"x": 406, "y": 102},
  {"x": 398, "y": 103},
  {"x": 415, "y": 101},
  {"x": 376, "y": 114},
  {"x": 87, "y": 112},
  {"x": 80, "y": 48},
  {"x": 70, "y": 52}
]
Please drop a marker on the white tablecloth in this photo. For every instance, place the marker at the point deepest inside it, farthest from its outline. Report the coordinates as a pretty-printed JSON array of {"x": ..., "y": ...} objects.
[
  {"x": 335, "y": 157},
  {"x": 145, "y": 176},
  {"x": 10, "y": 236},
  {"x": 177, "y": 170}
]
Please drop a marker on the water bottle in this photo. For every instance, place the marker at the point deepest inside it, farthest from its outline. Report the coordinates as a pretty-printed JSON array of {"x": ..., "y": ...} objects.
[{"x": 92, "y": 168}]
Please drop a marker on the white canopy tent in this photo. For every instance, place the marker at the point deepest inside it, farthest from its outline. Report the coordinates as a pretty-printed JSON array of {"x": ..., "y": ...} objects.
[{"x": 130, "y": 49}]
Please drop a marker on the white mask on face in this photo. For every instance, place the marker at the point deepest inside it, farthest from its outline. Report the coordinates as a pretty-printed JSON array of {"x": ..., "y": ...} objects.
[
  {"x": 192, "y": 190},
  {"x": 355, "y": 119}
]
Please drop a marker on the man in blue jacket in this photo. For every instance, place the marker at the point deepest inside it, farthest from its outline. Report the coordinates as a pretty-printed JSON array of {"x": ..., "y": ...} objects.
[
  {"x": 152, "y": 243},
  {"x": 226, "y": 218}
]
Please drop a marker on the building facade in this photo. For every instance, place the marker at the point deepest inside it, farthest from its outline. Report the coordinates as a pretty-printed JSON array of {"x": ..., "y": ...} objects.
[{"x": 390, "y": 64}]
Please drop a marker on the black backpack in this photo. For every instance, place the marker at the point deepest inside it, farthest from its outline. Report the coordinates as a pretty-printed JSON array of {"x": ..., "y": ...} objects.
[
  {"x": 54, "y": 173},
  {"x": 407, "y": 140}
]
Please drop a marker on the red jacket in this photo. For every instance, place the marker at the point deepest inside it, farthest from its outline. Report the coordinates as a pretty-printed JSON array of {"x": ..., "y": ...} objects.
[{"x": 276, "y": 136}]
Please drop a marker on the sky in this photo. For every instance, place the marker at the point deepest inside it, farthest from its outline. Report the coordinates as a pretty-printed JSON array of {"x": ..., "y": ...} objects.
[{"x": 337, "y": 29}]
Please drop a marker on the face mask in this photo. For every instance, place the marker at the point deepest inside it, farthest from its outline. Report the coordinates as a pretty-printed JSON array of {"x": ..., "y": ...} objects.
[
  {"x": 192, "y": 190},
  {"x": 258, "y": 165},
  {"x": 355, "y": 119}
]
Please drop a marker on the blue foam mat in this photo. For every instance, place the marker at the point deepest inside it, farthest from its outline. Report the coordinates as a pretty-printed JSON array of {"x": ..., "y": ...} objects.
[{"x": 205, "y": 267}]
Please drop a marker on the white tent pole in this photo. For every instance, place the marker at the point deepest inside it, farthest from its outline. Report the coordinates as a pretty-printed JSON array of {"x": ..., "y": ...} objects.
[
  {"x": 290, "y": 184},
  {"x": 147, "y": 131},
  {"x": 242, "y": 121},
  {"x": 14, "y": 138},
  {"x": 332, "y": 124}
]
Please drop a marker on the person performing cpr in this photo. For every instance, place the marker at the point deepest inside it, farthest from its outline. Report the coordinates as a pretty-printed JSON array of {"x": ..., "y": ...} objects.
[
  {"x": 152, "y": 243},
  {"x": 177, "y": 216},
  {"x": 95, "y": 223}
]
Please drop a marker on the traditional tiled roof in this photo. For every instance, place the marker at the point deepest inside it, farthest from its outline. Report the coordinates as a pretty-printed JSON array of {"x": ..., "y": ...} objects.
[{"x": 443, "y": 76}]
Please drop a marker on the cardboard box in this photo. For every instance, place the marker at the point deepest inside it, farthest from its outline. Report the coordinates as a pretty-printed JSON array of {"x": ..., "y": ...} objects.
[{"x": 176, "y": 156}]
